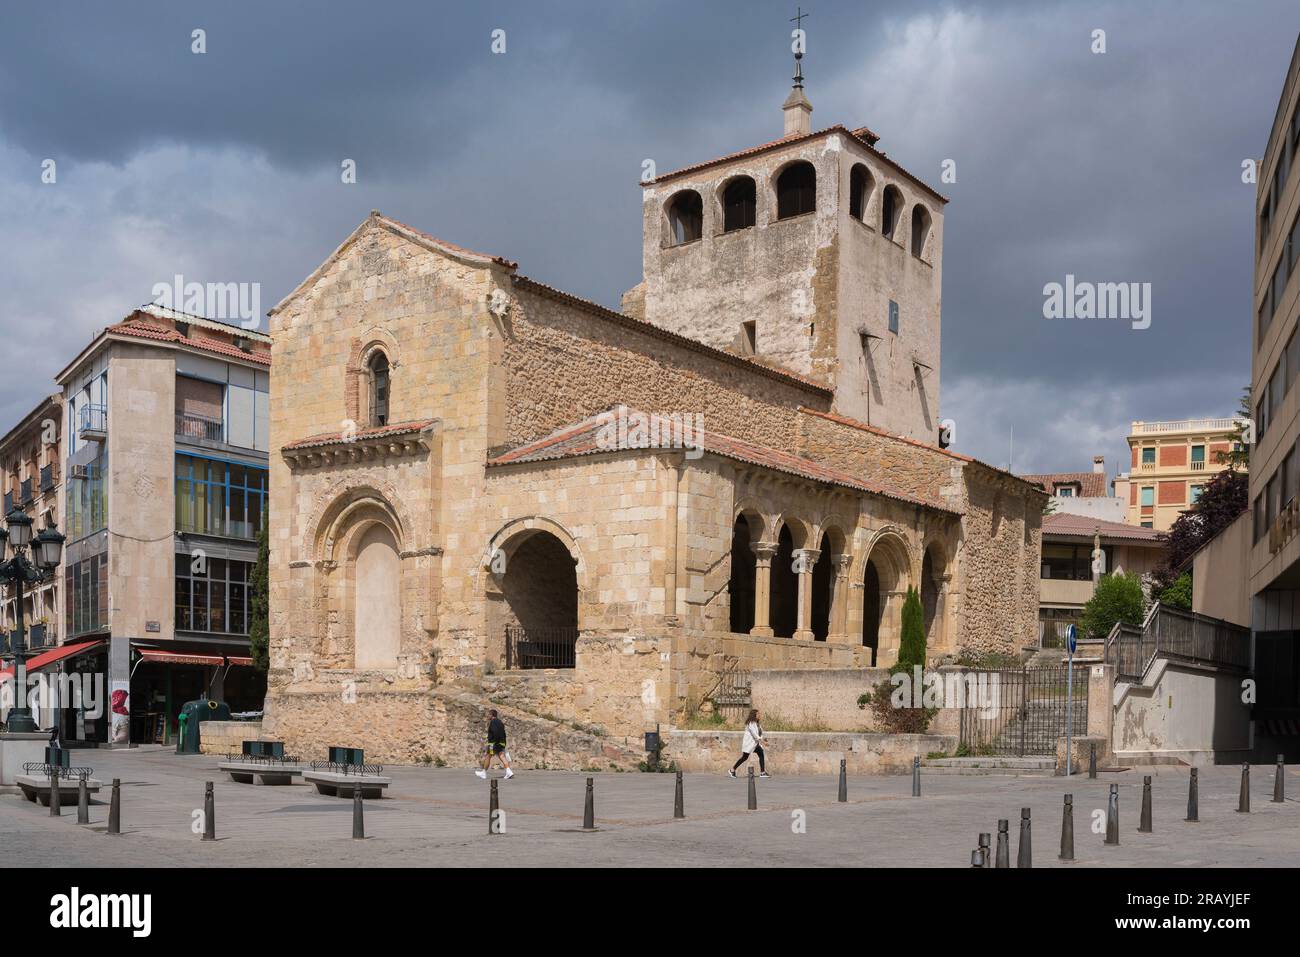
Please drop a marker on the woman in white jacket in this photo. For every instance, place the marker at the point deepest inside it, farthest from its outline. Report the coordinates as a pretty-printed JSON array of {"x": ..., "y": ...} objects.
[{"x": 753, "y": 741}]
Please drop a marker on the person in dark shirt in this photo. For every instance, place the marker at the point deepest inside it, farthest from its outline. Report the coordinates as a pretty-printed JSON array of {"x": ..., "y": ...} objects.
[{"x": 496, "y": 745}]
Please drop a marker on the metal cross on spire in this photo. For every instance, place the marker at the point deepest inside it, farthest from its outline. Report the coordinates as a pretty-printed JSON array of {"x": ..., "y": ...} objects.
[{"x": 797, "y": 20}]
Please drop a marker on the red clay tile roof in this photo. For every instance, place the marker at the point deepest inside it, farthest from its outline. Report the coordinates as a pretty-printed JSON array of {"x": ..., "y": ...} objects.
[
  {"x": 139, "y": 329},
  {"x": 587, "y": 438},
  {"x": 509, "y": 264},
  {"x": 1093, "y": 484},
  {"x": 649, "y": 328},
  {"x": 1083, "y": 526},
  {"x": 863, "y": 135},
  {"x": 342, "y": 438}
]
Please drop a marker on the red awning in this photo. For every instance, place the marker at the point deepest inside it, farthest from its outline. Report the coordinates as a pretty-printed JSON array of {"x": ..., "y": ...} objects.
[
  {"x": 45, "y": 658},
  {"x": 181, "y": 658}
]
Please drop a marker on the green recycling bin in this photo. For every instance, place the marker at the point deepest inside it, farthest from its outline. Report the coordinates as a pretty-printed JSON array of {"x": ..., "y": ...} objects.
[{"x": 193, "y": 714}]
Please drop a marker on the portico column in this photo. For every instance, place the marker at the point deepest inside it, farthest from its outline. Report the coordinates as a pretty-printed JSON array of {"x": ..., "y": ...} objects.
[
  {"x": 805, "y": 559},
  {"x": 763, "y": 552},
  {"x": 839, "y": 628}
]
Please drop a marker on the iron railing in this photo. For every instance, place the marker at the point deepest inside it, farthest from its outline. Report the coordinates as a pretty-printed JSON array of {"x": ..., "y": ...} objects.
[
  {"x": 203, "y": 427},
  {"x": 48, "y": 478},
  {"x": 541, "y": 647},
  {"x": 25, "y": 492},
  {"x": 1019, "y": 712},
  {"x": 1051, "y": 632},
  {"x": 1177, "y": 633},
  {"x": 93, "y": 418}
]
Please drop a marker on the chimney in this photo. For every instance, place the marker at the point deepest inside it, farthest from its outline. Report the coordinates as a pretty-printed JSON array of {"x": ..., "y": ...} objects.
[
  {"x": 798, "y": 113},
  {"x": 1099, "y": 464}
]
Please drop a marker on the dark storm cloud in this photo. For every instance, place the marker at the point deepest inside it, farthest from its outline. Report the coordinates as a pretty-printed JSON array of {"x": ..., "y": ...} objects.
[{"x": 225, "y": 167}]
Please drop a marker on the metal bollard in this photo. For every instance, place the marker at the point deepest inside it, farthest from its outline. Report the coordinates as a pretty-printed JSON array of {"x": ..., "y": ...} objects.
[
  {"x": 753, "y": 794},
  {"x": 1092, "y": 760},
  {"x": 1193, "y": 802},
  {"x": 679, "y": 807},
  {"x": 83, "y": 802},
  {"x": 1144, "y": 822},
  {"x": 494, "y": 809},
  {"x": 844, "y": 782},
  {"x": 916, "y": 777},
  {"x": 977, "y": 857},
  {"x": 115, "y": 809},
  {"x": 56, "y": 799},
  {"x": 1112, "y": 816},
  {"x": 986, "y": 850},
  {"x": 1025, "y": 851},
  {"x": 1067, "y": 830},
  {"x": 1004, "y": 844},
  {"x": 1243, "y": 802},
  {"x": 1279, "y": 782},
  {"x": 589, "y": 807},
  {"x": 209, "y": 813},
  {"x": 358, "y": 815}
]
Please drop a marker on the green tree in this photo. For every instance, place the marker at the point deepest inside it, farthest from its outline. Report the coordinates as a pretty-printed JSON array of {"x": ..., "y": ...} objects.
[
  {"x": 1178, "y": 594},
  {"x": 911, "y": 644},
  {"x": 258, "y": 627},
  {"x": 1117, "y": 598}
]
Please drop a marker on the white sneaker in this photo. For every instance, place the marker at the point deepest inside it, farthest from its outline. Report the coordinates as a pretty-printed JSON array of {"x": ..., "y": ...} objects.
[
  {"x": 482, "y": 774},
  {"x": 509, "y": 773},
  {"x": 732, "y": 772}
]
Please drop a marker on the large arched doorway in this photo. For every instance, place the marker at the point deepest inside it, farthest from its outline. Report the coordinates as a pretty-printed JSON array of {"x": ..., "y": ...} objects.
[
  {"x": 885, "y": 579},
  {"x": 743, "y": 580},
  {"x": 872, "y": 608},
  {"x": 377, "y": 599},
  {"x": 539, "y": 602}
]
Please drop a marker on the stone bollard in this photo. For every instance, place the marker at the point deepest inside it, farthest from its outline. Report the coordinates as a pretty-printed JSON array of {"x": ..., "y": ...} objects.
[
  {"x": 589, "y": 807},
  {"x": 916, "y": 777},
  {"x": 679, "y": 807},
  {"x": 1067, "y": 830},
  {"x": 1004, "y": 844},
  {"x": 986, "y": 850},
  {"x": 209, "y": 813},
  {"x": 56, "y": 799},
  {"x": 1092, "y": 760},
  {"x": 1025, "y": 851},
  {"x": 83, "y": 802},
  {"x": 1279, "y": 782},
  {"x": 753, "y": 794},
  {"x": 1243, "y": 802},
  {"x": 494, "y": 809},
  {"x": 115, "y": 808},
  {"x": 358, "y": 815},
  {"x": 1193, "y": 802},
  {"x": 1144, "y": 822},
  {"x": 1112, "y": 816},
  {"x": 844, "y": 781}
]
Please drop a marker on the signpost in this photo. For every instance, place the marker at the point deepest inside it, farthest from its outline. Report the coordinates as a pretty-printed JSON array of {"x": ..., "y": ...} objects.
[{"x": 1071, "y": 642}]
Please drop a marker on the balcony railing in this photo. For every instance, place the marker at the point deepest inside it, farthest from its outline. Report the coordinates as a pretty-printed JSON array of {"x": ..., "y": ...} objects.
[
  {"x": 25, "y": 492},
  {"x": 92, "y": 422},
  {"x": 9, "y": 502},
  {"x": 540, "y": 647},
  {"x": 1176, "y": 633},
  {"x": 48, "y": 478},
  {"x": 200, "y": 427},
  {"x": 1185, "y": 425}
]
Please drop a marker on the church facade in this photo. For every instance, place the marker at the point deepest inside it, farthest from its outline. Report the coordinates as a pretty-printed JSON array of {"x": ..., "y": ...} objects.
[{"x": 488, "y": 492}]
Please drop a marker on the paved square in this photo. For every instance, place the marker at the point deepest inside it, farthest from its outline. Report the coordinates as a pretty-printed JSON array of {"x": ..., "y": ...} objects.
[{"x": 438, "y": 817}]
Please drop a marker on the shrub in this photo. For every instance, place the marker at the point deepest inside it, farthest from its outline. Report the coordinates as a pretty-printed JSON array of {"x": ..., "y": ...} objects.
[
  {"x": 894, "y": 720},
  {"x": 1179, "y": 594},
  {"x": 1118, "y": 598}
]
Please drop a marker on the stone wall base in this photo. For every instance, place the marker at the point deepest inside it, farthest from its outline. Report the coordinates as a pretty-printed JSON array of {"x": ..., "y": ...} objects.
[{"x": 803, "y": 752}]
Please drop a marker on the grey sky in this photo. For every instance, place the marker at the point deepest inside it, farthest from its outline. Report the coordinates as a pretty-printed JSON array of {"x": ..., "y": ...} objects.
[{"x": 224, "y": 167}]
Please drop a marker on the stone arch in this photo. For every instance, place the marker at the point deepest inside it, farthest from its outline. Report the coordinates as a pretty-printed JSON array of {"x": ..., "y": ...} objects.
[
  {"x": 795, "y": 186},
  {"x": 920, "y": 230},
  {"x": 747, "y": 530},
  {"x": 362, "y": 351},
  {"x": 861, "y": 185},
  {"x": 886, "y": 576},
  {"x": 829, "y": 580},
  {"x": 535, "y": 575},
  {"x": 342, "y": 498},
  {"x": 934, "y": 590},
  {"x": 891, "y": 211},
  {"x": 684, "y": 213},
  {"x": 737, "y": 197},
  {"x": 791, "y": 534}
]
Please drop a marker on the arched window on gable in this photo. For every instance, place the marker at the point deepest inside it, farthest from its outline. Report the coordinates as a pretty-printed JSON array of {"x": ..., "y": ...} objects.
[
  {"x": 891, "y": 208},
  {"x": 739, "y": 202},
  {"x": 379, "y": 386},
  {"x": 796, "y": 190},
  {"x": 859, "y": 192},
  {"x": 685, "y": 218}
]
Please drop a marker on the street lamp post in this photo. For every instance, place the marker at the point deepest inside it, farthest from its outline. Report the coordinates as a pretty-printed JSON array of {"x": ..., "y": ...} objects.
[{"x": 46, "y": 553}]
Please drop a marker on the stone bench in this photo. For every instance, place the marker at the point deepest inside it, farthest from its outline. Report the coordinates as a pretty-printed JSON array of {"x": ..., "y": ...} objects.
[
  {"x": 36, "y": 788},
  {"x": 261, "y": 772},
  {"x": 342, "y": 784}
]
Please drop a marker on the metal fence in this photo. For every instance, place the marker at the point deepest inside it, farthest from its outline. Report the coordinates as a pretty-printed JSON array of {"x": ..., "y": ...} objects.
[
  {"x": 733, "y": 696},
  {"x": 192, "y": 426},
  {"x": 1020, "y": 712},
  {"x": 1177, "y": 633},
  {"x": 540, "y": 647}
]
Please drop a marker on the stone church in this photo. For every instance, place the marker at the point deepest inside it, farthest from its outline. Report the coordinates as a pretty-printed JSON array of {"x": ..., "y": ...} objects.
[{"x": 489, "y": 492}]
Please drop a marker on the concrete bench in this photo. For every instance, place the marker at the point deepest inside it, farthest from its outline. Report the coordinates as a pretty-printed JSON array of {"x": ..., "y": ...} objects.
[
  {"x": 342, "y": 784},
  {"x": 261, "y": 772},
  {"x": 36, "y": 788}
]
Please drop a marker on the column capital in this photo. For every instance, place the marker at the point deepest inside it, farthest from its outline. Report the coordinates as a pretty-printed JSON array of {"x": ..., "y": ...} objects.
[{"x": 764, "y": 550}]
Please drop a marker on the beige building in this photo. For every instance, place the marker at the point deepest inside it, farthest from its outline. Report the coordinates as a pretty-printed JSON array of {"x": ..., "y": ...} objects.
[
  {"x": 488, "y": 491},
  {"x": 1171, "y": 462}
]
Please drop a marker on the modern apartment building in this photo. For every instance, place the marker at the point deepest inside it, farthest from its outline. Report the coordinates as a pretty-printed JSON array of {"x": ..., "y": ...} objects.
[
  {"x": 30, "y": 475},
  {"x": 1171, "y": 463},
  {"x": 1274, "y": 563},
  {"x": 165, "y": 464}
]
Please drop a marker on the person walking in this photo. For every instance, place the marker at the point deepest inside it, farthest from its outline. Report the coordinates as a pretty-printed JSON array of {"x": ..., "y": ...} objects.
[
  {"x": 752, "y": 742},
  {"x": 496, "y": 746}
]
